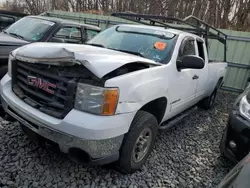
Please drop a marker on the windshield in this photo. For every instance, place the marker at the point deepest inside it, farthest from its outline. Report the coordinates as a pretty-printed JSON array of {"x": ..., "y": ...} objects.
[
  {"x": 148, "y": 43},
  {"x": 30, "y": 29}
]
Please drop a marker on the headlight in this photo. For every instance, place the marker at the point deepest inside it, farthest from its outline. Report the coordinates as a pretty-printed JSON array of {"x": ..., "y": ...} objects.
[
  {"x": 11, "y": 58},
  {"x": 238, "y": 99},
  {"x": 244, "y": 107},
  {"x": 96, "y": 100}
]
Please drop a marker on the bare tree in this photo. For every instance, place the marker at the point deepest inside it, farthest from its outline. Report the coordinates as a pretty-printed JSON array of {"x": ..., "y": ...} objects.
[{"x": 234, "y": 14}]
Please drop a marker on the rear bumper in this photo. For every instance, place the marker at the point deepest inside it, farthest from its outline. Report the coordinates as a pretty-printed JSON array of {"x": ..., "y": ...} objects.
[{"x": 238, "y": 131}]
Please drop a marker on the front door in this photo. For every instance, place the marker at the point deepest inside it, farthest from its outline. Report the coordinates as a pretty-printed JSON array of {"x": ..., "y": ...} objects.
[{"x": 183, "y": 88}]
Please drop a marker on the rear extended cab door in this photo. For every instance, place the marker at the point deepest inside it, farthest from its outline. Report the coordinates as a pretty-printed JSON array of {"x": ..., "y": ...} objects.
[{"x": 201, "y": 73}]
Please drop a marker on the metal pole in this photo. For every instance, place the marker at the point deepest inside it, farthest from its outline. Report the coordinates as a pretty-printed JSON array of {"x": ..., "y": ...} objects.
[{"x": 225, "y": 49}]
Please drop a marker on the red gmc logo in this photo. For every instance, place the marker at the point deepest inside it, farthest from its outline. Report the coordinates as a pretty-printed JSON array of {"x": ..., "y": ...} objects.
[{"x": 41, "y": 84}]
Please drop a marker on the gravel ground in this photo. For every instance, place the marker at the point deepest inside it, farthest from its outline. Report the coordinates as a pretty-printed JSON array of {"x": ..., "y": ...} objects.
[{"x": 185, "y": 156}]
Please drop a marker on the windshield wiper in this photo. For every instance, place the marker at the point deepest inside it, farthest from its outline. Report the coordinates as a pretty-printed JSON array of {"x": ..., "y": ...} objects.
[
  {"x": 98, "y": 45},
  {"x": 127, "y": 51},
  {"x": 16, "y": 35}
]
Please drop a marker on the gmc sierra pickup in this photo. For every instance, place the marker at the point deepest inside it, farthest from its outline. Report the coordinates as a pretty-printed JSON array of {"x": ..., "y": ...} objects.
[{"x": 106, "y": 100}]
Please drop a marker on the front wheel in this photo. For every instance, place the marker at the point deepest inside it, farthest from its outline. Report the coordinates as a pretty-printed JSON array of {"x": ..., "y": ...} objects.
[{"x": 138, "y": 142}]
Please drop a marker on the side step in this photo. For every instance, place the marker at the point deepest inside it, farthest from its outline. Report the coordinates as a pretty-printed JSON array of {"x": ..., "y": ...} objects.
[{"x": 175, "y": 120}]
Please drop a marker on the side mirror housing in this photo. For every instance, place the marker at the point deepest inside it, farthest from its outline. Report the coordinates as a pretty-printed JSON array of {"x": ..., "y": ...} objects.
[{"x": 190, "y": 62}]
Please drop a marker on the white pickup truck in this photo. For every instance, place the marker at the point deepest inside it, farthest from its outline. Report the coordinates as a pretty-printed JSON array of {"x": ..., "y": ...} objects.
[{"x": 105, "y": 101}]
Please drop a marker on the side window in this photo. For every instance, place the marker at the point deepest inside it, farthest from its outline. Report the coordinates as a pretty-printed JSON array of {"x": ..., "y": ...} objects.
[
  {"x": 200, "y": 44},
  {"x": 69, "y": 33},
  {"x": 187, "y": 48},
  {"x": 91, "y": 33}
]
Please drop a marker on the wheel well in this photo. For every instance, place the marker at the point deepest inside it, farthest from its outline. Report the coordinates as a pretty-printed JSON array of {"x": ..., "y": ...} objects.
[{"x": 156, "y": 107}]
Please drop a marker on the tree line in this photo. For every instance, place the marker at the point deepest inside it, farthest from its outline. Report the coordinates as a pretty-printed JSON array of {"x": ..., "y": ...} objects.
[{"x": 227, "y": 14}]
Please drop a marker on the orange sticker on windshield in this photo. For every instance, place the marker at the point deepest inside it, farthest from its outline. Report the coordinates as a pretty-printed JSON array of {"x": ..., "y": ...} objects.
[{"x": 160, "y": 46}]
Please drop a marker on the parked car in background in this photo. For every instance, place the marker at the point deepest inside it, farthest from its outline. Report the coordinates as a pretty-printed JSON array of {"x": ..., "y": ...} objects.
[
  {"x": 235, "y": 142},
  {"x": 9, "y": 17},
  {"x": 238, "y": 177},
  {"x": 41, "y": 29},
  {"x": 105, "y": 101}
]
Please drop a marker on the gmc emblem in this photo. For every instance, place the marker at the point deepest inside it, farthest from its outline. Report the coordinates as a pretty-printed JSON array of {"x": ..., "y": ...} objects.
[{"x": 41, "y": 84}]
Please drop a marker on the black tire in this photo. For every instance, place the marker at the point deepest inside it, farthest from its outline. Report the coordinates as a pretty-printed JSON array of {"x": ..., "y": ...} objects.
[
  {"x": 3, "y": 71},
  {"x": 222, "y": 144},
  {"x": 208, "y": 102},
  {"x": 142, "y": 122}
]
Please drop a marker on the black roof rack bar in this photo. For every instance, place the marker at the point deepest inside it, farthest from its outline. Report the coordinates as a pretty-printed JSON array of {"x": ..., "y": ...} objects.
[
  {"x": 165, "y": 20},
  {"x": 191, "y": 30},
  {"x": 145, "y": 16},
  {"x": 167, "y": 25},
  {"x": 199, "y": 22}
]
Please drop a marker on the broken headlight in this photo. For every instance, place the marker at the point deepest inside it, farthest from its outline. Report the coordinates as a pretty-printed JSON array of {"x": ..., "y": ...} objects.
[{"x": 96, "y": 100}]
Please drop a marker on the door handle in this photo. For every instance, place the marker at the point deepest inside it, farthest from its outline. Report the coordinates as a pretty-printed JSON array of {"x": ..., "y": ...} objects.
[{"x": 195, "y": 77}]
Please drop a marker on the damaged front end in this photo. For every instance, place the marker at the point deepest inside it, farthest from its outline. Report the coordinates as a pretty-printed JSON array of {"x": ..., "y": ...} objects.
[
  {"x": 50, "y": 88},
  {"x": 48, "y": 77}
]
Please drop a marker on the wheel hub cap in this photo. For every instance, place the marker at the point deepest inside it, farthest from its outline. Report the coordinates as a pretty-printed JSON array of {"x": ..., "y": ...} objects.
[{"x": 142, "y": 145}]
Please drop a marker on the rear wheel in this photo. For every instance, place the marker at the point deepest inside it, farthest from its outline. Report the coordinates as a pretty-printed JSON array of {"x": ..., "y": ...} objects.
[
  {"x": 223, "y": 143},
  {"x": 138, "y": 142},
  {"x": 208, "y": 102}
]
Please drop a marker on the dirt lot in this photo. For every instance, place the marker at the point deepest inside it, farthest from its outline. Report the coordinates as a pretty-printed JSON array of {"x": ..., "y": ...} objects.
[{"x": 185, "y": 156}]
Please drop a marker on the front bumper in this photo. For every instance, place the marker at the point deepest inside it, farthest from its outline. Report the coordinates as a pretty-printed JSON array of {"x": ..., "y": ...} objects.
[
  {"x": 238, "y": 131},
  {"x": 99, "y": 137}
]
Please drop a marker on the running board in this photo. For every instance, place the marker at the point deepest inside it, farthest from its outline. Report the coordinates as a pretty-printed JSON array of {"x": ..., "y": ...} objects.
[{"x": 172, "y": 122}]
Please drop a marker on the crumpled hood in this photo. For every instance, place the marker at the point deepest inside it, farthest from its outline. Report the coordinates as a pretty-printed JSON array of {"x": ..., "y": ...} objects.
[{"x": 98, "y": 60}]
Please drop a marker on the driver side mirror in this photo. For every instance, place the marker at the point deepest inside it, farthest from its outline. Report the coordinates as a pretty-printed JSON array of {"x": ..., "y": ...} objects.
[{"x": 190, "y": 62}]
